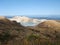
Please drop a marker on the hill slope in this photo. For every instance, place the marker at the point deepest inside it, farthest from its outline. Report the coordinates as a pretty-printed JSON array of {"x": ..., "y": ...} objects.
[
  {"x": 41, "y": 33},
  {"x": 50, "y": 27}
]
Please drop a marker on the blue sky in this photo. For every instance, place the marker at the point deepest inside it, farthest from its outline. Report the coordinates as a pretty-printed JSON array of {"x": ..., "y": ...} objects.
[{"x": 29, "y": 7}]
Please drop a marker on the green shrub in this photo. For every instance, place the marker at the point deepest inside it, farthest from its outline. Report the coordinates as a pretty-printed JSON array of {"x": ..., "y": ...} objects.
[{"x": 32, "y": 37}]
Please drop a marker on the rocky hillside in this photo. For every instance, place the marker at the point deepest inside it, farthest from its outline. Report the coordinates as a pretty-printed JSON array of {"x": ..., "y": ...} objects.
[
  {"x": 50, "y": 28},
  {"x": 50, "y": 24},
  {"x": 41, "y": 33},
  {"x": 13, "y": 28}
]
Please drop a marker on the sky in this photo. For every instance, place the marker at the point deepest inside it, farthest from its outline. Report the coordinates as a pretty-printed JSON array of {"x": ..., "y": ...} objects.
[{"x": 29, "y": 7}]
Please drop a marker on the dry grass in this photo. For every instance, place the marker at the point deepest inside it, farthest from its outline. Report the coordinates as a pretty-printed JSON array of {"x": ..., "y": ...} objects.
[{"x": 46, "y": 33}]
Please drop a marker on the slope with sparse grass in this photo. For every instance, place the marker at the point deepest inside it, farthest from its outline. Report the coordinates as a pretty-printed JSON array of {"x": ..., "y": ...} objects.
[{"x": 45, "y": 33}]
